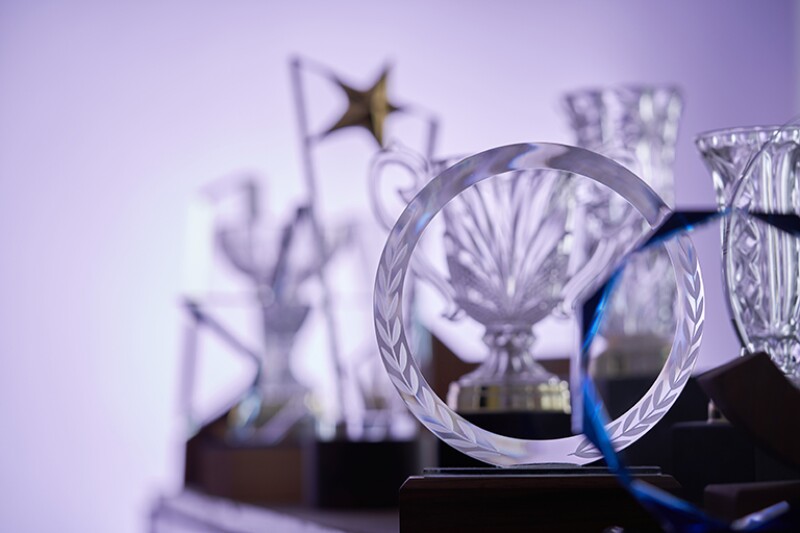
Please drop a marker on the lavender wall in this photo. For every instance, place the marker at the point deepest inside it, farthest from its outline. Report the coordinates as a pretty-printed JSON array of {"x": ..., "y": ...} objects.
[{"x": 111, "y": 116}]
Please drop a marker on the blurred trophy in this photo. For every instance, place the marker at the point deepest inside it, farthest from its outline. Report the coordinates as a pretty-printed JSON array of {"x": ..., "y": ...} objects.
[
  {"x": 278, "y": 259},
  {"x": 756, "y": 169},
  {"x": 276, "y": 262},
  {"x": 512, "y": 260},
  {"x": 636, "y": 126}
]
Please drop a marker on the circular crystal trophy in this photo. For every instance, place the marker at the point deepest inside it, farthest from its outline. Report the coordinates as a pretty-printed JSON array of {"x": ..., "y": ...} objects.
[
  {"x": 512, "y": 280},
  {"x": 756, "y": 169},
  {"x": 515, "y": 255}
]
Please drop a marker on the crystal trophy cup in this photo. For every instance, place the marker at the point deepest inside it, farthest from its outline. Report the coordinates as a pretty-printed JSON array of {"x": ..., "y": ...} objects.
[
  {"x": 510, "y": 274},
  {"x": 636, "y": 126},
  {"x": 277, "y": 263},
  {"x": 756, "y": 169},
  {"x": 508, "y": 266}
]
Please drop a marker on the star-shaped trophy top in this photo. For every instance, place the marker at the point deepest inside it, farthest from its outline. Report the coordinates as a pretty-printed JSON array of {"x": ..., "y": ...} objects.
[{"x": 366, "y": 109}]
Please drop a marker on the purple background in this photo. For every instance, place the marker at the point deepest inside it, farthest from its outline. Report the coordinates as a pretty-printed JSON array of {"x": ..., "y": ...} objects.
[{"x": 111, "y": 117}]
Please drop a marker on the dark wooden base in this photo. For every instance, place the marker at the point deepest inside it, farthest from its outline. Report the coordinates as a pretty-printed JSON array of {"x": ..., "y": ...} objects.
[
  {"x": 348, "y": 474},
  {"x": 541, "y": 499},
  {"x": 736, "y": 500},
  {"x": 253, "y": 472},
  {"x": 758, "y": 399},
  {"x": 256, "y": 474},
  {"x": 322, "y": 474}
]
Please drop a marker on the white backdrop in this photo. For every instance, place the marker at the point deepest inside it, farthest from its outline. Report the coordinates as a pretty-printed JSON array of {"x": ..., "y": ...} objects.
[{"x": 113, "y": 114}]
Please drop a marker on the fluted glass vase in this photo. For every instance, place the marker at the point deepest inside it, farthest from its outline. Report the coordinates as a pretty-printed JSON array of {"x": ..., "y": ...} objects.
[
  {"x": 757, "y": 169},
  {"x": 637, "y": 126}
]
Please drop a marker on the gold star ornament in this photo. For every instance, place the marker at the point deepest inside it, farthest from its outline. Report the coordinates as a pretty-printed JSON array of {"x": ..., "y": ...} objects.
[{"x": 366, "y": 109}]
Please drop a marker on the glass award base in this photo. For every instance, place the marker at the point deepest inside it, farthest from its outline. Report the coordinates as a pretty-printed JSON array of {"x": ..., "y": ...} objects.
[
  {"x": 530, "y": 498},
  {"x": 518, "y": 424}
]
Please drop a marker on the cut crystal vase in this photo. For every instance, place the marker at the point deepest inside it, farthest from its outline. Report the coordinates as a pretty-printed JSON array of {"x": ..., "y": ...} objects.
[
  {"x": 756, "y": 169},
  {"x": 636, "y": 126}
]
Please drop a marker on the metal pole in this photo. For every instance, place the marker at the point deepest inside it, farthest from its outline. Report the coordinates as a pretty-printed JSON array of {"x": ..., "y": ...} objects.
[{"x": 308, "y": 171}]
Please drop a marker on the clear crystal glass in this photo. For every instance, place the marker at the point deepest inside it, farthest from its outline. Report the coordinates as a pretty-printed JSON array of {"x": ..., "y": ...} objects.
[
  {"x": 487, "y": 295},
  {"x": 508, "y": 252},
  {"x": 510, "y": 246},
  {"x": 757, "y": 169},
  {"x": 636, "y": 126}
]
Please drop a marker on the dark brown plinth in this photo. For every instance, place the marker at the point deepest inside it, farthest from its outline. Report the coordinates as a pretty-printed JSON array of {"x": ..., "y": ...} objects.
[
  {"x": 255, "y": 474},
  {"x": 264, "y": 474},
  {"x": 758, "y": 399},
  {"x": 357, "y": 475},
  {"x": 579, "y": 499},
  {"x": 736, "y": 500}
]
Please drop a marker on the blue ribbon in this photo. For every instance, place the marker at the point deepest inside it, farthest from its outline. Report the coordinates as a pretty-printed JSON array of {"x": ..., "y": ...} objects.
[{"x": 673, "y": 513}]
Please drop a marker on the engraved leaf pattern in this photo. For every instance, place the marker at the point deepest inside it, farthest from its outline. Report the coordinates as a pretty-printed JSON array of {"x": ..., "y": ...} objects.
[
  {"x": 404, "y": 375},
  {"x": 654, "y": 405}
]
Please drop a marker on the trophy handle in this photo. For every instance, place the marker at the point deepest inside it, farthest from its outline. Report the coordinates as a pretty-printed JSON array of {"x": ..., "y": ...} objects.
[
  {"x": 421, "y": 170},
  {"x": 584, "y": 280},
  {"x": 586, "y": 273}
]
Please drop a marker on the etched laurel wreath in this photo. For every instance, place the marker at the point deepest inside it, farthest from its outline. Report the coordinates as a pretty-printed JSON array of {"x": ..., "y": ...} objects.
[
  {"x": 657, "y": 401},
  {"x": 475, "y": 441}
]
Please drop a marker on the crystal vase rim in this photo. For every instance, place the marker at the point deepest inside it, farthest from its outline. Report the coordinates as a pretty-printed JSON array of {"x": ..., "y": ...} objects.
[
  {"x": 634, "y": 87},
  {"x": 721, "y": 136}
]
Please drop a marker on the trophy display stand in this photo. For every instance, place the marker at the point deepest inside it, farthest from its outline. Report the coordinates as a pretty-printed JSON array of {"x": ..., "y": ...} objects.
[
  {"x": 299, "y": 470},
  {"x": 466, "y": 495},
  {"x": 244, "y": 471},
  {"x": 750, "y": 460},
  {"x": 734, "y": 500},
  {"x": 546, "y": 498},
  {"x": 342, "y": 474},
  {"x": 541, "y": 485}
]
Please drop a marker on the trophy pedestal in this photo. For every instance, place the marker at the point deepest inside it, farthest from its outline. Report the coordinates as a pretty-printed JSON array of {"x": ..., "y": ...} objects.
[
  {"x": 757, "y": 398},
  {"x": 710, "y": 452},
  {"x": 546, "y": 498},
  {"x": 758, "y": 445},
  {"x": 247, "y": 473},
  {"x": 717, "y": 453},
  {"x": 357, "y": 474},
  {"x": 736, "y": 500},
  {"x": 246, "y": 470}
]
